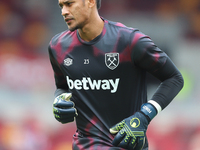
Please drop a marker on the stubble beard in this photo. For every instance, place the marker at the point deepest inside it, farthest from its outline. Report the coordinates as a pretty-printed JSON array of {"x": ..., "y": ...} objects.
[
  {"x": 72, "y": 28},
  {"x": 77, "y": 26}
]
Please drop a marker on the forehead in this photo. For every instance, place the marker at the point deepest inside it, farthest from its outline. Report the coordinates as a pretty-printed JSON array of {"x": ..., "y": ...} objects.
[{"x": 63, "y": 1}]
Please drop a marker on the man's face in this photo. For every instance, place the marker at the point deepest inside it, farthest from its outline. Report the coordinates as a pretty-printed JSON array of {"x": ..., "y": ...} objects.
[{"x": 75, "y": 13}]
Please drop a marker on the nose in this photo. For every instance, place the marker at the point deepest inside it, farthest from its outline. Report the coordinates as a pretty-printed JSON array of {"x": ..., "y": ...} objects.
[{"x": 64, "y": 11}]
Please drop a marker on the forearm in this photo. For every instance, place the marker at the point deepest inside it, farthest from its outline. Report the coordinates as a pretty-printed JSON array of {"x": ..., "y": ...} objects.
[
  {"x": 167, "y": 90},
  {"x": 172, "y": 83}
]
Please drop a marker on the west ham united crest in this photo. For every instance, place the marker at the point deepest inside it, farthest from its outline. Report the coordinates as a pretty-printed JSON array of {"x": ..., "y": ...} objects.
[{"x": 112, "y": 60}]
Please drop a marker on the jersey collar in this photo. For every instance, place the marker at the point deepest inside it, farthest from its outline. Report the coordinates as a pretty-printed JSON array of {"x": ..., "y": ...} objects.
[{"x": 95, "y": 40}]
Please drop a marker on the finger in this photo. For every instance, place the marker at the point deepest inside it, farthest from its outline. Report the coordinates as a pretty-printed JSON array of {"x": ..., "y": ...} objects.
[
  {"x": 140, "y": 143},
  {"x": 116, "y": 128},
  {"x": 119, "y": 137},
  {"x": 69, "y": 117},
  {"x": 66, "y": 120},
  {"x": 125, "y": 142},
  {"x": 66, "y": 117},
  {"x": 63, "y": 117},
  {"x": 69, "y": 111},
  {"x": 64, "y": 104},
  {"x": 128, "y": 143}
]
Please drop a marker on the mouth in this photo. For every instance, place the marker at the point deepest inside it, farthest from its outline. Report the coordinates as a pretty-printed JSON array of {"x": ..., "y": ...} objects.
[{"x": 68, "y": 20}]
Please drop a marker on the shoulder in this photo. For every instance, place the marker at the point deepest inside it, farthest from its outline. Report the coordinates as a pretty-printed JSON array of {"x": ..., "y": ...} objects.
[
  {"x": 121, "y": 29},
  {"x": 60, "y": 37},
  {"x": 119, "y": 26}
]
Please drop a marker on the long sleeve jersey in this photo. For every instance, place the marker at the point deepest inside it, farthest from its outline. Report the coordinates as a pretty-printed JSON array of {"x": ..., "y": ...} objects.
[{"x": 106, "y": 77}]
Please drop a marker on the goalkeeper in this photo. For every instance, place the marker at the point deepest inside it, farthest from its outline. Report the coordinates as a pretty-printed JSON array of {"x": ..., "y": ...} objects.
[{"x": 100, "y": 71}]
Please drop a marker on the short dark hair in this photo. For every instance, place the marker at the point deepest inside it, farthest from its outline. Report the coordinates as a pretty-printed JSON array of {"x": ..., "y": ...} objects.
[{"x": 98, "y": 4}]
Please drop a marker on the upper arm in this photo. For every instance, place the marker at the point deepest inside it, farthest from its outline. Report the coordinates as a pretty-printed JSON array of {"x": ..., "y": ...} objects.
[
  {"x": 60, "y": 80},
  {"x": 147, "y": 56}
]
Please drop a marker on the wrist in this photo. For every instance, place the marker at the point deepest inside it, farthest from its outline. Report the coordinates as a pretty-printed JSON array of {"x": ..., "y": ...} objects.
[
  {"x": 150, "y": 109},
  {"x": 156, "y": 105}
]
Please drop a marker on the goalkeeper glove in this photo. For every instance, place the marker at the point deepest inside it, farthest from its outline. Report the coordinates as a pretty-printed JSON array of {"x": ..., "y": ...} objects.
[
  {"x": 131, "y": 132},
  {"x": 63, "y": 108}
]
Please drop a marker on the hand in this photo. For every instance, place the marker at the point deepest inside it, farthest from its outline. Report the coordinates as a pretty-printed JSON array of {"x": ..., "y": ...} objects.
[
  {"x": 63, "y": 108},
  {"x": 131, "y": 132}
]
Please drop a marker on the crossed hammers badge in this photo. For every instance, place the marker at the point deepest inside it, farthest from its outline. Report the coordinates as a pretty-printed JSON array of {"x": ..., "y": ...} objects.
[{"x": 112, "y": 60}]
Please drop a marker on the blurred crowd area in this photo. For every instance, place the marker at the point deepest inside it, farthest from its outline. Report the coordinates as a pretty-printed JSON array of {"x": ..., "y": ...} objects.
[
  {"x": 189, "y": 11},
  {"x": 27, "y": 83}
]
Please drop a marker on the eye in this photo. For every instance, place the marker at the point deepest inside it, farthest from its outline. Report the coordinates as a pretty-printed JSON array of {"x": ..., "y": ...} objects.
[
  {"x": 68, "y": 3},
  {"x": 61, "y": 6}
]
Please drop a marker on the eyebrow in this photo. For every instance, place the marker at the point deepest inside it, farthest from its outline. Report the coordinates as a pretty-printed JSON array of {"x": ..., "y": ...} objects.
[{"x": 64, "y": 2}]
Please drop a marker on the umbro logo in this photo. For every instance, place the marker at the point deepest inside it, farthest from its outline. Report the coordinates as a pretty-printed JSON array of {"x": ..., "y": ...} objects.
[
  {"x": 68, "y": 62},
  {"x": 112, "y": 60}
]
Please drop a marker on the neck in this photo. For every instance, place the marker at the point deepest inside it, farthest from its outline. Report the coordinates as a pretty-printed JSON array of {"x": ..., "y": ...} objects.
[{"x": 92, "y": 29}]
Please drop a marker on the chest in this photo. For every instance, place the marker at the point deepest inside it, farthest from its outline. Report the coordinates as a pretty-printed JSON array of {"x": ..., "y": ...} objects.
[{"x": 91, "y": 62}]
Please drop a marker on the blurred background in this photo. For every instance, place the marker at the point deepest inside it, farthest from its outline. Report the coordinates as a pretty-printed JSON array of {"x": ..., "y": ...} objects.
[{"x": 27, "y": 83}]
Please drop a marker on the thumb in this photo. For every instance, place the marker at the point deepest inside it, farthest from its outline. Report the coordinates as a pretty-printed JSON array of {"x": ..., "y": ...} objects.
[
  {"x": 66, "y": 96},
  {"x": 116, "y": 128},
  {"x": 63, "y": 97}
]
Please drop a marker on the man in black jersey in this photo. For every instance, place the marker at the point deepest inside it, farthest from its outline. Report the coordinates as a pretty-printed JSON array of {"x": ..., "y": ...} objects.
[{"x": 99, "y": 69}]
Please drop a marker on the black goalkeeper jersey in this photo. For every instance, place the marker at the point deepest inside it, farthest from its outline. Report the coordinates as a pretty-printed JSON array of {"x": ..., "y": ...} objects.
[{"x": 106, "y": 77}]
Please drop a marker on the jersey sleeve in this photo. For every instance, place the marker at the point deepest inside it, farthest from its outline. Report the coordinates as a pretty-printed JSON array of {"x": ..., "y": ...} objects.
[
  {"x": 60, "y": 81},
  {"x": 147, "y": 56}
]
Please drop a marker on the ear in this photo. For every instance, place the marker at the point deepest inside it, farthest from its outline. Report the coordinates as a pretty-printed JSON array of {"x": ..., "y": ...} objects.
[{"x": 91, "y": 3}]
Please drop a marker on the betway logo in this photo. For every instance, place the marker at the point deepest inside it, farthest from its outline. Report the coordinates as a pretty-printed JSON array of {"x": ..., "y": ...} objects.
[{"x": 86, "y": 83}]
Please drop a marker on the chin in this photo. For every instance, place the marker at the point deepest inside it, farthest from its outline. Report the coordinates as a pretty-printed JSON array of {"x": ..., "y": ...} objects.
[{"x": 72, "y": 28}]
